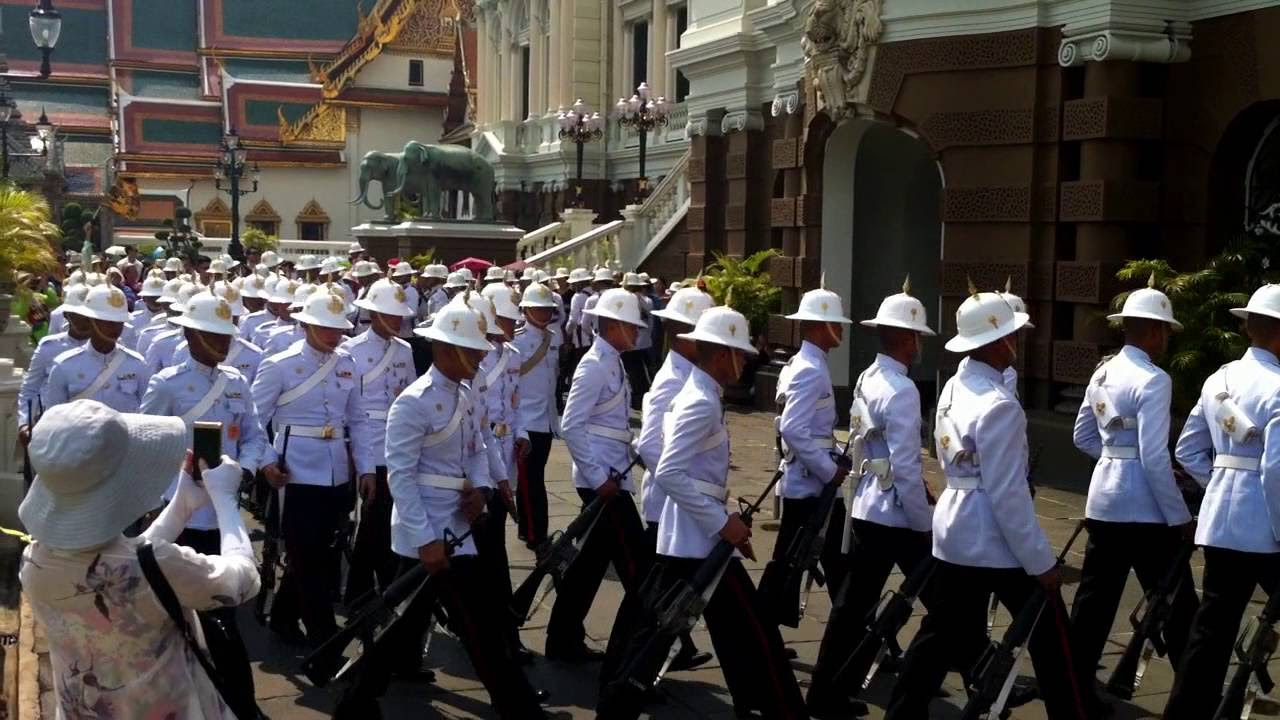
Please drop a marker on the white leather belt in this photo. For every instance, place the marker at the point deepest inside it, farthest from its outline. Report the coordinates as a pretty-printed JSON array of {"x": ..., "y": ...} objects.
[
  {"x": 968, "y": 482},
  {"x": 1238, "y": 462},
  {"x": 1128, "y": 423},
  {"x": 822, "y": 441},
  {"x": 608, "y": 432},
  {"x": 377, "y": 414},
  {"x": 1120, "y": 452},
  {"x": 445, "y": 482},
  {"x": 719, "y": 492},
  {"x": 320, "y": 432}
]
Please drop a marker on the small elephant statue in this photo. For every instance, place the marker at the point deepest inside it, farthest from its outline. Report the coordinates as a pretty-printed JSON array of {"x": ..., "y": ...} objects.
[
  {"x": 383, "y": 168},
  {"x": 435, "y": 169}
]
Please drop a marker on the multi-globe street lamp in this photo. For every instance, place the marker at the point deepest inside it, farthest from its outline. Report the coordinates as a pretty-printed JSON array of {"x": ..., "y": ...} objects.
[
  {"x": 580, "y": 126},
  {"x": 642, "y": 113},
  {"x": 232, "y": 167}
]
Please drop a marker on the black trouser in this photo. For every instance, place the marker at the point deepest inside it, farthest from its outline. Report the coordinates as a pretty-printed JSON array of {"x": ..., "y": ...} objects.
[
  {"x": 531, "y": 489},
  {"x": 1230, "y": 577},
  {"x": 618, "y": 537},
  {"x": 311, "y": 517},
  {"x": 634, "y": 362},
  {"x": 491, "y": 544},
  {"x": 958, "y": 612},
  {"x": 1113, "y": 549},
  {"x": 461, "y": 590},
  {"x": 226, "y": 647},
  {"x": 868, "y": 565},
  {"x": 782, "y": 601},
  {"x": 750, "y": 649},
  {"x": 371, "y": 555}
]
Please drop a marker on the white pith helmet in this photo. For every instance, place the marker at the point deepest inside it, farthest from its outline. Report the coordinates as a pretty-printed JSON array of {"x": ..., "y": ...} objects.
[
  {"x": 633, "y": 280},
  {"x": 270, "y": 259},
  {"x": 820, "y": 305},
  {"x": 901, "y": 311},
  {"x": 579, "y": 275},
  {"x": 982, "y": 319},
  {"x": 253, "y": 286},
  {"x": 466, "y": 273},
  {"x": 1149, "y": 304},
  {"x": 1014, "y": 301},
  {"x": 365, "y": 268},
  {"x": 457, "y": 324},
  {"x": 231, "y": 294},
  {"x": 436, "y": 271},
  {"x": 170, "y": 292},
  {"x": 504, "y": 301},
  {"x": 308, "y": 262},
  {"x": 494, "y": 274},
  {"x": 686, "y": 306},
  {"x": 456, "y": 280},
  {"x": 537, "y": 295},
  {"x": 283, "y": 291},
  {"x": 618, "y": 304},
  {"x": 185, "y": 292},
  {"x": 209, "y": 313},
  {"x": 217, "y": 267},
  {"x": 173, "y": 265},
  {"x": 229, "y": 261},
  {"x": 541, "y": 276},
  {"x": 562, "y": 273},
  {"x": 153, "y": 286},
  {"x": 304, "y": 291},
  {"x": 602, "y": 275},
  {"x": 75, "y": 278},
  {"x": 481, "y": 304},
  {"x": 529, "y": 274},
  {"x": 73, "y": 298},
  {"x": 387, "y": 297},
  {"x": 324, "y": 310},
  {"x": 1264, "y": 301},
  {"x": 722, "y": 325},
  {"x": 105, "y": 302},
  {"x": 354, "y": 248},
  {"x": 403, "y": 268},
  {"x": 330, "y": 265}
]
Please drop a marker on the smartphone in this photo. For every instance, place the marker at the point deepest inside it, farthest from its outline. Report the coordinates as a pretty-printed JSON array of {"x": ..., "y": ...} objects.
[{"x": 207, "y": 445}]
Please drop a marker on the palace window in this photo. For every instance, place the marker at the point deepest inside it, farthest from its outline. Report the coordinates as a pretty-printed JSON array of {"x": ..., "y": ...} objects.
[
  {"x": 682, "y": 24},
  {"x": 639, "y": 53},
  {"x": 214, "y": 220},
  {"x": 312, "y": 222},
  {"x": 415, "y": 73},
  {"x": 525, "y": 88},
  {"x": 264, "y": 217}
]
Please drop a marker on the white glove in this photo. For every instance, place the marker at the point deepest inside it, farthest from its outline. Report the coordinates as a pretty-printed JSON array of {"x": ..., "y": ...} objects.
[
  {"x": 189, "y": 497},
  {"x": 224, "y": 480}
]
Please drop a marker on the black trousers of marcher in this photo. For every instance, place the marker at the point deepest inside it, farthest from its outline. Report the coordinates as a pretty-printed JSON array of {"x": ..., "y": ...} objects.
[
  {"x": 491, "y": 543},
  {"x": 461, "y": 590},
  {"x": 877, "y": 548},
  {"x": 311, "y": 517},
  {"x": 226, "y": 649},
  {"x": 636, "y": 364},
  {"x": 1150, "y": 550},
  {"x": 782, "y": 602},
  {"x": 958, "y": 611},
  {"x": 531, "y": 489},
  {"x": 1230, "y": 577},
  {"x": 618, "y": 537},
  {"x": 749, "y": 646},
  {"x": 371, "y": 556}
]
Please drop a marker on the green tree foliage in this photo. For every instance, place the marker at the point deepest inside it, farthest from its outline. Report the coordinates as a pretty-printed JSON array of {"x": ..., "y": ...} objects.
[
  {"x": 27, "y": 237},
  {"x": 1202, "y": 300},
  {"x": 72, "y": 224},
  {"x": 747, "y": 285},
  {"x": 255, "y": 239}
]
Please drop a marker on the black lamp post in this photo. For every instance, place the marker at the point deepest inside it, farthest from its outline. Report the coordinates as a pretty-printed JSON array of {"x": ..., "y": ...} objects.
[
  {"x": 580, "y": 126},
  {"x": 46, "y": 26},
  {"x": 643, "y": 113},
  {"x": 232, "y": 168}
]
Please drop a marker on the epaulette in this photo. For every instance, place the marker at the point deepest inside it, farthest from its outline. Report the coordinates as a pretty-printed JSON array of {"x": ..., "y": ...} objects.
[{"x": 1105, "y": 359}]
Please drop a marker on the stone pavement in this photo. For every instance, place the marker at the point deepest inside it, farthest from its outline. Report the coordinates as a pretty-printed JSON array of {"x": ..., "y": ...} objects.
[{"x": 697, "y": 695}]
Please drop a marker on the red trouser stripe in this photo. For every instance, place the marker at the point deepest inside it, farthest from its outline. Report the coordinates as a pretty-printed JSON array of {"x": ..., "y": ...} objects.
[
  {"x": 770, "y": 661},
  {"x": 1064, "y": 640},
  {"x": 622, "y": 543}
]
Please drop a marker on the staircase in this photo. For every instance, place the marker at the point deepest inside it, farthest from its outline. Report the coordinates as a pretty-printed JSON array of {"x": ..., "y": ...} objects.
[{"x": 577, "y": 241}]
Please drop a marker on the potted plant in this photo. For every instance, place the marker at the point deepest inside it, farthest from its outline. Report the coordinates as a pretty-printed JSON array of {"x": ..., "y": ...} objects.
[
  {"x": 255, "y": 240},
  {"x": 27, "y": 241},
  {"x": 744, "y": 285}
]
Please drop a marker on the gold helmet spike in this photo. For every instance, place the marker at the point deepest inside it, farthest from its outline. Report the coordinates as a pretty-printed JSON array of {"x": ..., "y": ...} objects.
[
  {"x": 1151, "y": 281},
  {"x": 906, "y": 285},
  {"x": 1008, "y": 284},
  {"x": 973, "y": 289},
  {"x": 822, "y": 280}
]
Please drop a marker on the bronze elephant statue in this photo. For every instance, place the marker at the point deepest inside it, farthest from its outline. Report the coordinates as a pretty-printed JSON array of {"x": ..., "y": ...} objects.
[
  {"x": 384, "y": 168},
  {"x": 435, "y": 169}
]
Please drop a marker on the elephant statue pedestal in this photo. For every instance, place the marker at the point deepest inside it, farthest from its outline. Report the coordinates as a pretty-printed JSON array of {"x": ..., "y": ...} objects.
[{"x": 452, "y": 241}]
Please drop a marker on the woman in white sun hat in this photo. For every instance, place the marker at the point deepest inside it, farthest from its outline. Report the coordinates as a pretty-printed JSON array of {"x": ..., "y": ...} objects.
[
  {"x": 114, "y": 651},
  {"x": 889, "y": 508},
  {"x": 986, "y": 537},
  {"x": 1229, "y": 445}
]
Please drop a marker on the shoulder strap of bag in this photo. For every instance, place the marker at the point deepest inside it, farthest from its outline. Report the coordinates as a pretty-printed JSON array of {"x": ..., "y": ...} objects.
[
  {"x": 207, "y": 401},
  {"x": 103, "y": 377},
  {"x": 527, "y": 366},
  {"x": 304, "y": 388}
]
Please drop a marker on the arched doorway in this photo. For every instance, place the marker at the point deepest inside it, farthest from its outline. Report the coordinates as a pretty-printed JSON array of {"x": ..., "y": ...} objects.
[{"x": 881, "y": 204}]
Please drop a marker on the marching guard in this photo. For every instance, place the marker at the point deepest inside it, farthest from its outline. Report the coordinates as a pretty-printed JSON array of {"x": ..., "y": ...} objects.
[
  {"x": 50, "y": 347},
  {"x": 986, "y": 537},
  {"x": 100, "y": 369},
  {"x": 890, "y": 516},
  {"x": 1230, "y": 444},
  {"x": 535, "y": 343},
  {"x": 242, "y": 354},
  {"x": 1136, "y": 515}
]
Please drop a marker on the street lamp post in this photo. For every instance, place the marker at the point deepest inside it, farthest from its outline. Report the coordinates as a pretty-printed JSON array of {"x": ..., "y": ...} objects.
[
  {"x": 232, "y": 167},
  {"x": 580, "y": 126},
  {"x": 46, "y": 26},
  {"x": 643, "y": 113}
]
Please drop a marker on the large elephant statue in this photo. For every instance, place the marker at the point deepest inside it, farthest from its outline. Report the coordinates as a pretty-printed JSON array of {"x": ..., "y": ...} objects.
[
  {"x": 436, "y": 169},
  {"x": 383, "y": 168}
]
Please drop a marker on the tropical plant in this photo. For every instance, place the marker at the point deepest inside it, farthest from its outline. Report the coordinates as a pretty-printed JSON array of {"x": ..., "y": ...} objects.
[
  {"x": 256, "y": 240},
  {"x": 1202, "y": 300},
  {"x": 27, "y": 237},
  {"x": 744, "y": 284},
  {"x": 74, "y": 220}
]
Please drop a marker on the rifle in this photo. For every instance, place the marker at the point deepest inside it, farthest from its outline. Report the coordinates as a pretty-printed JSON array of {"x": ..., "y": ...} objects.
[
  {"x": 678, "y": 609},
  {"x": 556, "y": 554},
  {"x": 271, "y": 543},
  {"x": 369, "y": 621},
  {"x": 1148, "y": 620},
  {"x": 1254, "y": 649},
  {"x": 883, "y": 624},
  {"x": 992, "y": 677}
]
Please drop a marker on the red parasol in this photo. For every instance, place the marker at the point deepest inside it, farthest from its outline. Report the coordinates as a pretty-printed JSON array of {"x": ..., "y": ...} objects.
[{"x": 475, "y": 265}]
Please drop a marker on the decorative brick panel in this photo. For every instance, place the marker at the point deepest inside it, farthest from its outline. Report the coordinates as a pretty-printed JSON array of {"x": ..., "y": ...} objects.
[
  {"x": 1074, "y": 362},
  {"x": 786, "y": 154},
  {"x": 1113, "y": 118},
  {"x": 978, "y": 127},
  {"x": 782, "y": 271},
  {"x": 1047, "y": 123},
  {"x": 694, "y": 264},
  {"x": 986, "y": 276},
  {"x": 808, "y": 272},
  {"x": 735, "y": 217},
  {"x": 697, "y": 218},
  {"x": 1109, "y": 201},
  {"x": 1086, "y": 281},
  {"x": 986, "y": 204},
  {"x": 697, "y": 169},
  {"x": 782, "y": 331},
  {"x": 809, "y": 210},
  {"x": 1039, "y": 363},
  {"x": 735, "y": 166},
  {"x": 782, "y": 212}
]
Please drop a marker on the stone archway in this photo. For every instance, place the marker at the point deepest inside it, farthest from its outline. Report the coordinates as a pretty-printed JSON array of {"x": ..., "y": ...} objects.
[{"x": 881, "y": 220}]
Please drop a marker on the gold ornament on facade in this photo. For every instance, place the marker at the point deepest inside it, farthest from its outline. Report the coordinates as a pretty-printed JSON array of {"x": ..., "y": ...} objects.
[{"x": 323, "y": 124}]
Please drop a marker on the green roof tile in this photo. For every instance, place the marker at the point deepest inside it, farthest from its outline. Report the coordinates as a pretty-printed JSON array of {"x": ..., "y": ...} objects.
[
  {"x": 164, "y": 24},
  {"x": 269, "y": 70},
  {"x": 157, "y": 130},
  {"x": 86, "y": 150},
  {"x": 79, "y": 99},
  {"x": 322, "y": 19},
  {"x": 178, "y": 86},
  {"x": 263, "y": 112}
]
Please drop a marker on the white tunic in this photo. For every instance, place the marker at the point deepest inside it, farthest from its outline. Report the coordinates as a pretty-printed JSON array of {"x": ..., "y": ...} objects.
[
  {"x": 596, "y": 426},
  {"x": 78, "y": 368},
  {"x": 538, "y": 384},
  {"x": 696, "y": 449},
  {"x": 33, "y": 380},
  {"x": 657, "y": 402},
  {"x": 376, "y": 394},
  {"x": 807, "y": 423},
  {"x": 894, "y": 403}
]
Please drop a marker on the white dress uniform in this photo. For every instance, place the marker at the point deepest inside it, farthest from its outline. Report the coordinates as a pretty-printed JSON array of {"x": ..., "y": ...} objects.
[
  {"x": 537, "y": 383},
  {"x": 894, "y": 404},
  {"x": 142, "y": 316},
  {"x": 495, "y": 386},
  {"x": 667, "y": 383},
  {"x": 644, "y": 338},
  {"x": 160, "y": 323},
  {"x": 117, "y": 379},
  {"x": 597, "y": 414},
  {"x": 282, "y": 338},
  {"x": 413, "y": 300},
  {"x": 578, "y": 329},
  {"x": 33, "y": 380},
  {"x": 263, "y": 333},
  {"x": 435, "y": 302},
  {"x": 160, "y": 351},
  {"x": 243, "y": 356},
  {"x": 807, "y": 423},
  {"x": 128, "y": 337},
  {"x": 182, "y": 389},
  {"x": 384, "y": 369},
  {"x": 250, "y": 323}
]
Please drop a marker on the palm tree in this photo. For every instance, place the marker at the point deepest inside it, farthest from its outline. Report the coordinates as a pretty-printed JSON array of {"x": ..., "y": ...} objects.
[{"x": 27, "y": 241}]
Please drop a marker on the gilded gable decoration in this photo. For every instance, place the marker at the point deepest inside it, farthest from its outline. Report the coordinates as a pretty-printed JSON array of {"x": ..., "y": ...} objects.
[
  {"x": 312, "y": 212},
  {"x": 263, "y": 212},
  {"x": 323, "y": 125}
]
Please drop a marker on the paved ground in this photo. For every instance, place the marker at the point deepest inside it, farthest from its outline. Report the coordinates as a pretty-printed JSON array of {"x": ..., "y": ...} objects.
[{"x": 700, "y": 695}]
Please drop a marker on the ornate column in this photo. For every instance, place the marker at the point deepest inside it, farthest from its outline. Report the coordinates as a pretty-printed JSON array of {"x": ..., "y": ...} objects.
[
  {"x": 565, "y": 68},
  {"x": 657, "y": 71},
  {"x": 484, "y": 63},
  {"x": 537, "y": 45},
  {"x": 746, "y": 220},
  {"x": 704, "y": 225},
  {"x": 555, "y": 40}
]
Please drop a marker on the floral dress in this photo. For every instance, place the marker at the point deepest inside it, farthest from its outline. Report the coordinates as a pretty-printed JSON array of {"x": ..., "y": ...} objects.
[{"x": 115, "y": 653}]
